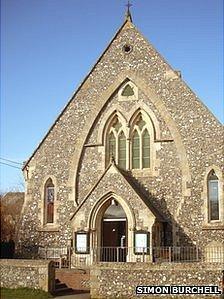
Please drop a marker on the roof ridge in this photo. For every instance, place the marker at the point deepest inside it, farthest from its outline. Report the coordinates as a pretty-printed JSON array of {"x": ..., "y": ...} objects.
[{"x": 127, "y": 20}]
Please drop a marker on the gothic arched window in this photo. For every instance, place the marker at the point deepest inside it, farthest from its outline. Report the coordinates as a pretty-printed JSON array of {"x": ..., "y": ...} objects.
[
  {"x": 135, "y": 150},
  {"x": 116, "y": 143},
  {"x": 145, "y": 149},
  {"x": 122, "y": 150},
  {"x": 140, "y": 142},
  {"x": 111, "y": 146},
  {"x": 49, "y": 201},
  {"x": 213, "y": 196}
]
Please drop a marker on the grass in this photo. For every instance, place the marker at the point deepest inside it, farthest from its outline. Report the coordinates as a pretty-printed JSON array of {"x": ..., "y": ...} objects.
[{"x": 24, "y": 293}]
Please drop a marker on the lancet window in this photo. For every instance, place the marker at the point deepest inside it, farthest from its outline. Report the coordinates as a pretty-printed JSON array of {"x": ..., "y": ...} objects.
[
  {"x": 213, "y": 196},
  {"x": 49, "y": 201},
  {"x": 140, "y": 145},
  {"x": 116, "y": 144}
]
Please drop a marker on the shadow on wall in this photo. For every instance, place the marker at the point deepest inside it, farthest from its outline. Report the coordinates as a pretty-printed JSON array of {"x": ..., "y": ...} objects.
[
  {"x": 160, "y": 205},
  {"x": 7, "y": 249}
]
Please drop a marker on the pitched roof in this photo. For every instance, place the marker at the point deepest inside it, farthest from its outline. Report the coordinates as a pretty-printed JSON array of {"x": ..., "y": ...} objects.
[
  {"x": 134, "y": 185},
  {"x": 128, "y": 19},
  {"x": 139, "y": 189}
]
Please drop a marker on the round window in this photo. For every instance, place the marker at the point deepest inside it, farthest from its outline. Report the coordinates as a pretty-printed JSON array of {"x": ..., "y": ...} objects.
[{"x": 127, "y": 48}]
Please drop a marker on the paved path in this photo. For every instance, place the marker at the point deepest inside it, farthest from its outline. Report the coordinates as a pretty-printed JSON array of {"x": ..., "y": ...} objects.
[{"x": 75, "y": 296}]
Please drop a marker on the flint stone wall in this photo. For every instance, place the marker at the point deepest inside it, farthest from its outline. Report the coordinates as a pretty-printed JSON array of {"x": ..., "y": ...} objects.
[
  {"x": 35, "y": 274},
  {"x": 175, "y": 107},
  {"x": 124, "y": 277}
]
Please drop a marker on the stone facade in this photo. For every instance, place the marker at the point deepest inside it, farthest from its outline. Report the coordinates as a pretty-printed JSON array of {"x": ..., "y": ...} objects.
[
  {"x": 126, "y": 276},
  {"x": 186, "y": 143},
  {"x": 34, "y": 274}
]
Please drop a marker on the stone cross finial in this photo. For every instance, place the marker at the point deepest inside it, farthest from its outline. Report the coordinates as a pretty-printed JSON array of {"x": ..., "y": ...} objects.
[
  {"x": 129, "y": 4},
  {"x": 128, "y": 12}
]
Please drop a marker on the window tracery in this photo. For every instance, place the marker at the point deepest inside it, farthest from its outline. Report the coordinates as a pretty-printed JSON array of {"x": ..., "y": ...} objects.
[
  {"x": 130, "y": 144},
  {"x": 116, "y": 143},
  {"x": 140, "y": 142}
]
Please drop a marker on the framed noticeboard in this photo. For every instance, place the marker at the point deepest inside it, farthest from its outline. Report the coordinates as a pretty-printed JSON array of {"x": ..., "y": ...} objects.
[
  {"x": 141, "y": 242},
  {"x": 81, "y": 242}
]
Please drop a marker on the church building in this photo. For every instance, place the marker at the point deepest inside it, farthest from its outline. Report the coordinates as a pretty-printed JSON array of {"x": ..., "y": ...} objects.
[{"x": 133, "y": 162}]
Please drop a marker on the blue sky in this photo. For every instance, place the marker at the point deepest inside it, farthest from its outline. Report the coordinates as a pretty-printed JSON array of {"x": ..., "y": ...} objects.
[{"x": 48, "y": 46}]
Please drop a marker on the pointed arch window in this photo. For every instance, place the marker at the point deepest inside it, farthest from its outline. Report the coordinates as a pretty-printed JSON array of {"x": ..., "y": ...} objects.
[
  {"x": 116, "y": 143},
  {"x": 145, "y": 149},
  {"x": 122, "y": 150},
  {"x": 111, "y": 151},
  {"x": 49, "y": 201},
  {"x": 213, "y": 196},
  {"x": 140, "y": 142},
  {"x": 135, "y": 150}
]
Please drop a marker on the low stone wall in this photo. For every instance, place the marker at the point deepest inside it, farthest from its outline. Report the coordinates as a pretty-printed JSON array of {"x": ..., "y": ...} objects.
[
  {"x": 119, "y": 280},
  {"x": 75, "y": 279},
  {"x": 36, "y": 274}
]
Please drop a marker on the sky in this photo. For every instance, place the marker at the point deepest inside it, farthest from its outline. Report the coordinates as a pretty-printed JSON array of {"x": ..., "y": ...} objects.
[{"x": 48, "y": 47}]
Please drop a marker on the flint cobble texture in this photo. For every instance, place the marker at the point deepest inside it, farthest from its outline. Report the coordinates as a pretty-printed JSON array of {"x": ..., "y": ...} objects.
[
  {"x": 124, "y": 277},
  {"x": 36, "y": 274}
]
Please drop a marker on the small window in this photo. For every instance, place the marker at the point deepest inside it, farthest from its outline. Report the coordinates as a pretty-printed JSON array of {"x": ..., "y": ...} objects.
[
  {"x": 213, "y": 196},
  {"x": 127, "y": 48},
  {"x": 128, "y": 91},
  {"x": 49, "y": 201}
]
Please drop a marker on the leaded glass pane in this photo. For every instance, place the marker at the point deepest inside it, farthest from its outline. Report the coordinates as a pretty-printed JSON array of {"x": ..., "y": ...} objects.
[
  {"x": 111, "y": 150},
  {"x": 135, "y": 150},
  {"x": 50, "y": 204},
  {"x": 145, "y": 149},
  {"x": 122, "y": 150},
  {"x": 127, "y": 91},
  {"x": 213, "y": 199}
]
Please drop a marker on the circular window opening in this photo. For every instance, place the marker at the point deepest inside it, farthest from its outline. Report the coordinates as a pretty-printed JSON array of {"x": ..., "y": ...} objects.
[{"x": 127, "y": 48}]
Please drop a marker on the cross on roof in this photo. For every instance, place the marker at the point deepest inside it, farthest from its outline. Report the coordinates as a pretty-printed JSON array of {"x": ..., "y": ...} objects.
[
  {"x": 129, "y": 4},
  {"x": 128, "y": 13}
]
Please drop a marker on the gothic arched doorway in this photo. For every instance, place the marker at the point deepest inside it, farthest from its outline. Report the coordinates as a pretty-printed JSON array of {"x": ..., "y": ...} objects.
[{"x": 114, "y": 233}]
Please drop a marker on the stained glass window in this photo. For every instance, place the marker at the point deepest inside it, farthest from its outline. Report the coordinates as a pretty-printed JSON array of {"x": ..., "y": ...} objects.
[{"x": 49, "y": 201}]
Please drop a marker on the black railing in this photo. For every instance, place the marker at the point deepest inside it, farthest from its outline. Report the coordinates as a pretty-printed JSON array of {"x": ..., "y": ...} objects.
[{"x": 67, "y": 257}]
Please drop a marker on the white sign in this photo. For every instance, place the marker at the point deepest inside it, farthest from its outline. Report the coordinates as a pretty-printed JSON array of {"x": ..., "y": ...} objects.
[
  {"x": 81, "y": 242},
  {"x": 141, "y": 242}
]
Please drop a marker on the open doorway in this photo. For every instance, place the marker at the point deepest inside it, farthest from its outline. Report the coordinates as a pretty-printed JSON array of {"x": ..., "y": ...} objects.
[{"x": 114, "y": 233}]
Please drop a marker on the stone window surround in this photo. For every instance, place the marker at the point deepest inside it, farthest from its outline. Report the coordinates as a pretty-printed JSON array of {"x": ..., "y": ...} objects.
[
  {"x": 213, "y": 223},
  {"x": 128, "y": 98},
  {"x": 149, "y": 128},
  {"x": 116, "y": 134},
  {"x": 48, "y": 226},
  {"x": 186, "y": 178},
  {"x": 128, "y": 128}
]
